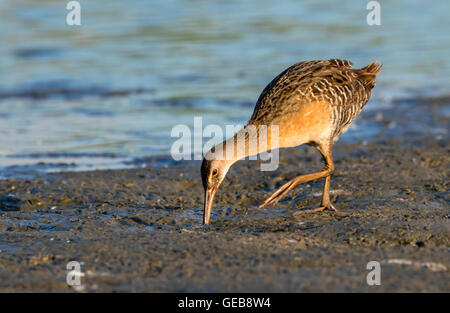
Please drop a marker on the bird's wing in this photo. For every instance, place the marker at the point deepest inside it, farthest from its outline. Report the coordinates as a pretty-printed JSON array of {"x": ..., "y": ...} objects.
[{"x": 305, "y": 82}]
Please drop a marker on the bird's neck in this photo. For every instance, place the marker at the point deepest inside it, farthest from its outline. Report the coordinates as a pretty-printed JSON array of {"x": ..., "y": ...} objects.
[{"x": 249, "y": 141}]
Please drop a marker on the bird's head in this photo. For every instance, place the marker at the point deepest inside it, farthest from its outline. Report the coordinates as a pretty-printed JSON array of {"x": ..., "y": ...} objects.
[{"x": 213, "y": 172}]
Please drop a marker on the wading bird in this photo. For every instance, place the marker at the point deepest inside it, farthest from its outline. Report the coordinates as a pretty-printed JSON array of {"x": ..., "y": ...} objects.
[{"x": 311, "y": 102}]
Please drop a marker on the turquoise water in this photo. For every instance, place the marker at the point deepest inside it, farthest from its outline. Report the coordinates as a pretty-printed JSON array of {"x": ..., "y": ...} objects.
[{"x": 111, "y": 89}]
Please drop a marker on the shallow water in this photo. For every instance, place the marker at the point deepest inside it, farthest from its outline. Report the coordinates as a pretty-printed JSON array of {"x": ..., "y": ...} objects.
[{"x": 107, "y": 92}]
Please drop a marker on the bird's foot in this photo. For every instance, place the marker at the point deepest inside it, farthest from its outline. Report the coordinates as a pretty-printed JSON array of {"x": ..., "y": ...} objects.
[
  {"x": 322, "y": 208},
  {"x": 282, "y": 191}
]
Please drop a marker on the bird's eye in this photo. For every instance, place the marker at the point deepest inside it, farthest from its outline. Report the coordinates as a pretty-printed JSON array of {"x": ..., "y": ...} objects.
[{"x": 214, "y": 172}]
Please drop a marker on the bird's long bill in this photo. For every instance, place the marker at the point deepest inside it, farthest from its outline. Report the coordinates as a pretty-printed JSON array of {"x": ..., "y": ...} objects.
[{"x": 209, "y": 197}]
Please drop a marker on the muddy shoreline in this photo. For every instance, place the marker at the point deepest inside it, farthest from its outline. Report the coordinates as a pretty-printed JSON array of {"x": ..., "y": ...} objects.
[{"x": 140, "y": 229}]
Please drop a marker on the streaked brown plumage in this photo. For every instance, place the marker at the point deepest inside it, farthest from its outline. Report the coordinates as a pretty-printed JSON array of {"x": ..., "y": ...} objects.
[
  {"x": 311, "y": 102},
  {"x": 346, "y": 90}
]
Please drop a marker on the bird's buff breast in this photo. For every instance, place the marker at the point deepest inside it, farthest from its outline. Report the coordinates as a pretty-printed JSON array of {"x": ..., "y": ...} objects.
[{"x": 311, "y": 123}]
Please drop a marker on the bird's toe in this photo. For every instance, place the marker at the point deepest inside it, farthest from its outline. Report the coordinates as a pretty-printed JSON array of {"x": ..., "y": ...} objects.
[{"x": 322, "y": 208}]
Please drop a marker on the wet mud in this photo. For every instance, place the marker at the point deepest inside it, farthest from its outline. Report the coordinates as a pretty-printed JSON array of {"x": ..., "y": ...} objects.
[{"x": 139, "y": 230}]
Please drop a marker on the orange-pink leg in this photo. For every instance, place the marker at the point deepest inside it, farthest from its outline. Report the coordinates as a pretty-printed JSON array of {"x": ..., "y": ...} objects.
[
  {"x": 326, "y": 172},
  {"x": 326, "y": 203}
]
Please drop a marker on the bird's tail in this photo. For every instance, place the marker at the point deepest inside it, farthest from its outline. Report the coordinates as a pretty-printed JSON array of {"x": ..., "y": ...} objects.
[{"x": 368, "y": 74}]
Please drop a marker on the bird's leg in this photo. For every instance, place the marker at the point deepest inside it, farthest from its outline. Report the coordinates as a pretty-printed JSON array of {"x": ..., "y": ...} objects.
[
  {"x": 326, "y": 203},
  {"x": 326, "y": 172}
]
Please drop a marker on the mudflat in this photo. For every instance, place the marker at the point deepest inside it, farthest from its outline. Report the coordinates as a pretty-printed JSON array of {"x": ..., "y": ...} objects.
[{"x": 138, "y": 230}]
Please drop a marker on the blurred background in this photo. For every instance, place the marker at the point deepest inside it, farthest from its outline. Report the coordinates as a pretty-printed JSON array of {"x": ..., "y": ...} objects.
[{"x": 109, "y": 91}]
